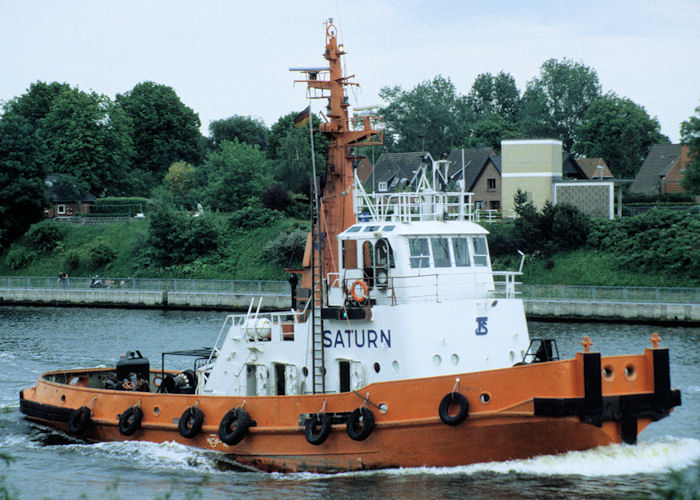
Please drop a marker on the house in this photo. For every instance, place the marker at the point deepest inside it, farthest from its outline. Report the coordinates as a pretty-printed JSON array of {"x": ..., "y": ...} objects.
[
  {"x": 397, "y": 171},
  {"x": 66, "y": 199},
  {"x": 594, "y": 168},
  {"x": 479, "y": 170},
  {"x": 662, "y": 170}
]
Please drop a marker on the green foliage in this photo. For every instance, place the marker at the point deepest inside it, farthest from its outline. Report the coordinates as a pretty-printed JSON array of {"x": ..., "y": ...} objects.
[
  {"x": 89, "y": 138},
  {"x": 120, "y": 206},
  {"x": 19, "y": 257},
  {"x": 246, "y": 129},
  {"x": 287, "y": 250},
  {"x": 101, "y": 254},
  {"x": 555, "y": 102},
  {"x": 71, "y": 261},
  {"x": 690, "y": 135},
  {"x": 654, "y": 241},
  {"x": 432, "y": 117},
  {"x": 175, "y": 238},
  {"x": 495, "y": 95},
  {"x": 182, "y": 185},
  {"x": 234, "y": 174},
  {"x": 276, "y": 197},
  {"x": 657, "y": 197},
  {"x": 278, "y": 132},
  {"x": 22, "y": 175},
  {"x": 45, "y": 235},
  {"x": 620, "y": 131},
  {"x": 252, "y": 216},
  {"x": 165, "y": 131}
]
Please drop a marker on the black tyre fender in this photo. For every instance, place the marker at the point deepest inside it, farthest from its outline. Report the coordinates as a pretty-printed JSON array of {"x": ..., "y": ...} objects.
[
  {"x": 130, "y": 420},
  {"x": 453, "y": 398},
  {"x": 79, "y": 420},
  {"x": 234, "y": 426},
  {"x": 360, "y": 424},
  {"x": 190, "y": 422},
  {"x": 320, "y": 421}
]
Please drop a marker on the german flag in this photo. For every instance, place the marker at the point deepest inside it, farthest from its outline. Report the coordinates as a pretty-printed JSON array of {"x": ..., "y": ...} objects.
[{"x": 302, "y": 118}]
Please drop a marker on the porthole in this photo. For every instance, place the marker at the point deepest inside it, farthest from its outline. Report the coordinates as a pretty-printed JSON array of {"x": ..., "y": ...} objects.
[
  {"x": 630, "y": 372},
  {"x": 305, "y": 371},
  {"x": 437, "y": 360},
  {"x": 395, "y": 365},
  {"x": 383, "y": 407},
  {"x": 63, "y": 398},
  {"x": 454, "y": 359},
  {"x": 608, "y": 372},
  {"x": 512, "y": 356},
  {"x": 377, "y": 367},
  {"x": 484, "y": 397},
  {"x": 156, "y": 411}
]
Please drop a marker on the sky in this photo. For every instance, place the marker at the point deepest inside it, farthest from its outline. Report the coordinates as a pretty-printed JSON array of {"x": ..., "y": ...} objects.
[{"x": 227, "y": 58}]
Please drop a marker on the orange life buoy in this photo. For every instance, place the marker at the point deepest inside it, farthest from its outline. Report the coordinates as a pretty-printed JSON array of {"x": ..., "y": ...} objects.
[{"x": 361, "y": 297}]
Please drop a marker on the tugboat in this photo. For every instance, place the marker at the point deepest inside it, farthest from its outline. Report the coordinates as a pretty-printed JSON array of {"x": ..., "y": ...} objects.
[{"x": 403, "y": 347}]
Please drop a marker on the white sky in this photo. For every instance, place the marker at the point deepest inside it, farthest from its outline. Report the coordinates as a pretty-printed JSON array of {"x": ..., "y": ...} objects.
[{"x": 232, "y": 57}]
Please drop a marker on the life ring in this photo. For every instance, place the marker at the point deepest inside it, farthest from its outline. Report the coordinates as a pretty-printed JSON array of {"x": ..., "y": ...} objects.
[
  {"x": 79, "y": 420},
  {"x": 321, "y": 421},
  {"x": 360, "y": 424},
  {"x": 190, "y": 422},
  {"x": 353, "y": 291},
  {"x": 130, "y": 420},
  {"x": 234, "y": 426},
  {"x": 453, "y": 398}
]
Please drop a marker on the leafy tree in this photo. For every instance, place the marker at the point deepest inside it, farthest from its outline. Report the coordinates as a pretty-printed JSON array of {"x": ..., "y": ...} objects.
[
  {"x": 690, "y": 135},
  {"x": 620, "y": 131},
  {"x": 181, "y": 181},
  {"x": 234, "y": 174},
  {"x": 554, "y": 103},
  {"x": 431, "y": 117},
  {"x": 293, "y": 168},
  {"x": 492, "y": 129},
  {"x": 89, "y": 138},
  {"x": 244, "y": 128},
  {"x": 36, "y": 103},
  {"x": 495, "y": 95},
  {"x": 278, "y": 132},
  {"x": 276, "y": 197},
  {"x": 165, "y": 131},
  {"x": 22, "y": 176}
]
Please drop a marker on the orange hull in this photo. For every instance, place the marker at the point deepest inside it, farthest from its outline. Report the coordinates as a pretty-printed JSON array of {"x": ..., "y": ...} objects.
[{"x": 513, "y": 413}]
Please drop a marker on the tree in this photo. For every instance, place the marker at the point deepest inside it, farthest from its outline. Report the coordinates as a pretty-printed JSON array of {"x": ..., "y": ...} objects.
[
  {"x": 182, "y": 184},
  {"x": 244, "y": 128},
  {"x": 235, "y": 174},
  {"x": 432, "y": 117},
  {"x": 278, "y": 132},
  {"x": 690, "y": 135},
  {"x": 293, "y": 168},
  {"x": 620, "y": 131},
  {"x": 88, "y": 137},
  {"x": 36, "y": 103},
  {"x": 22, "y": 176},
  {"x": 492, "y": 129},
  {"x": 554, "y": 103},
  {"x": 165, "y": 131},
  {"x": 495, "y": 95}
]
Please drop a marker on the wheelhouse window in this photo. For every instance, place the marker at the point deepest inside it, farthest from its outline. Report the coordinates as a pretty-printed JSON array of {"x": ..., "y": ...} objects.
[
  {"x": 460, "y": 249},
  {"x": 441, "y": 252},
  {"x": 481, "y": 253},
  {"x": 419, "y": 253}
]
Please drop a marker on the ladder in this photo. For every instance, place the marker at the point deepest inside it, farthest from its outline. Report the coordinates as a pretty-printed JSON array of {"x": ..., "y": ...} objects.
[{"x": 319, "y": 366}]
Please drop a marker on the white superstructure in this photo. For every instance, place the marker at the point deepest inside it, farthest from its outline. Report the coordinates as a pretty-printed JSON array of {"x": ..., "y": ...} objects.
[{"x": 414, "y": 296}]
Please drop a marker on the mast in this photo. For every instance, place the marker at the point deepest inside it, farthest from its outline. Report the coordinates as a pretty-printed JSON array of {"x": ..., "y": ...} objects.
[{"x": 336, "y": 210}]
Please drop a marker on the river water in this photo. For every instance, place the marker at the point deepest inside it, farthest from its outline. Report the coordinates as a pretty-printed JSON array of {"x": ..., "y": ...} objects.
[{"x": 48, "y": 465}]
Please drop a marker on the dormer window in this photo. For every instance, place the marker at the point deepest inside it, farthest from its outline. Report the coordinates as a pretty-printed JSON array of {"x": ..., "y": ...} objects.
[{"x": 382, "y": 186}]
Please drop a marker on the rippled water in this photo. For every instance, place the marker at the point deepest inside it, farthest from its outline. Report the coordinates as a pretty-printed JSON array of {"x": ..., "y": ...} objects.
[{"x": 49, "y": 465}]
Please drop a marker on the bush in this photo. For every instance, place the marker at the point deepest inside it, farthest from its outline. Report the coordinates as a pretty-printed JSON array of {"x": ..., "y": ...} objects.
[
  {"x": 19, "y": 257},
  {"x": 119, "y": 206},
  {"x": 72, "y": 260},
  {"x": 252, "y": 216},
  {"x": 287, "y": 250},
  {"x": 101, "y": 254},
  {"x": 276, "y": 197},
  {"x": 45, "y": 235}
]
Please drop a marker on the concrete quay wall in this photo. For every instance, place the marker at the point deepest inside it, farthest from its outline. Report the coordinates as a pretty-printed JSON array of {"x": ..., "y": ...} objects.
[
  {"x": 628, "y": 312},
  {"x": 536, "y": 309},
  {"x": 140, "y": 299}
]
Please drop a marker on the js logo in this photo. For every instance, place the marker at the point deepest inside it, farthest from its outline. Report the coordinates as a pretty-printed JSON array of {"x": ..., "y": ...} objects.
[{"x": 481, "y": 328}]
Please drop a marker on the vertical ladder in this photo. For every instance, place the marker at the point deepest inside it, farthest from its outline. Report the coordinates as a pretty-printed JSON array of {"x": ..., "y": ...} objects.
[{"x": 319, "y": 366}]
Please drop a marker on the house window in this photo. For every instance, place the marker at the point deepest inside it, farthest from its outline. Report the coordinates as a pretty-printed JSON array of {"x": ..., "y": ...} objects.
[
  {"x": 491, "y": 184},
  {"x": 60, "y": 209},
  {"x": 382, "y": 186},
  {"x": 495, "y": 205}
]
